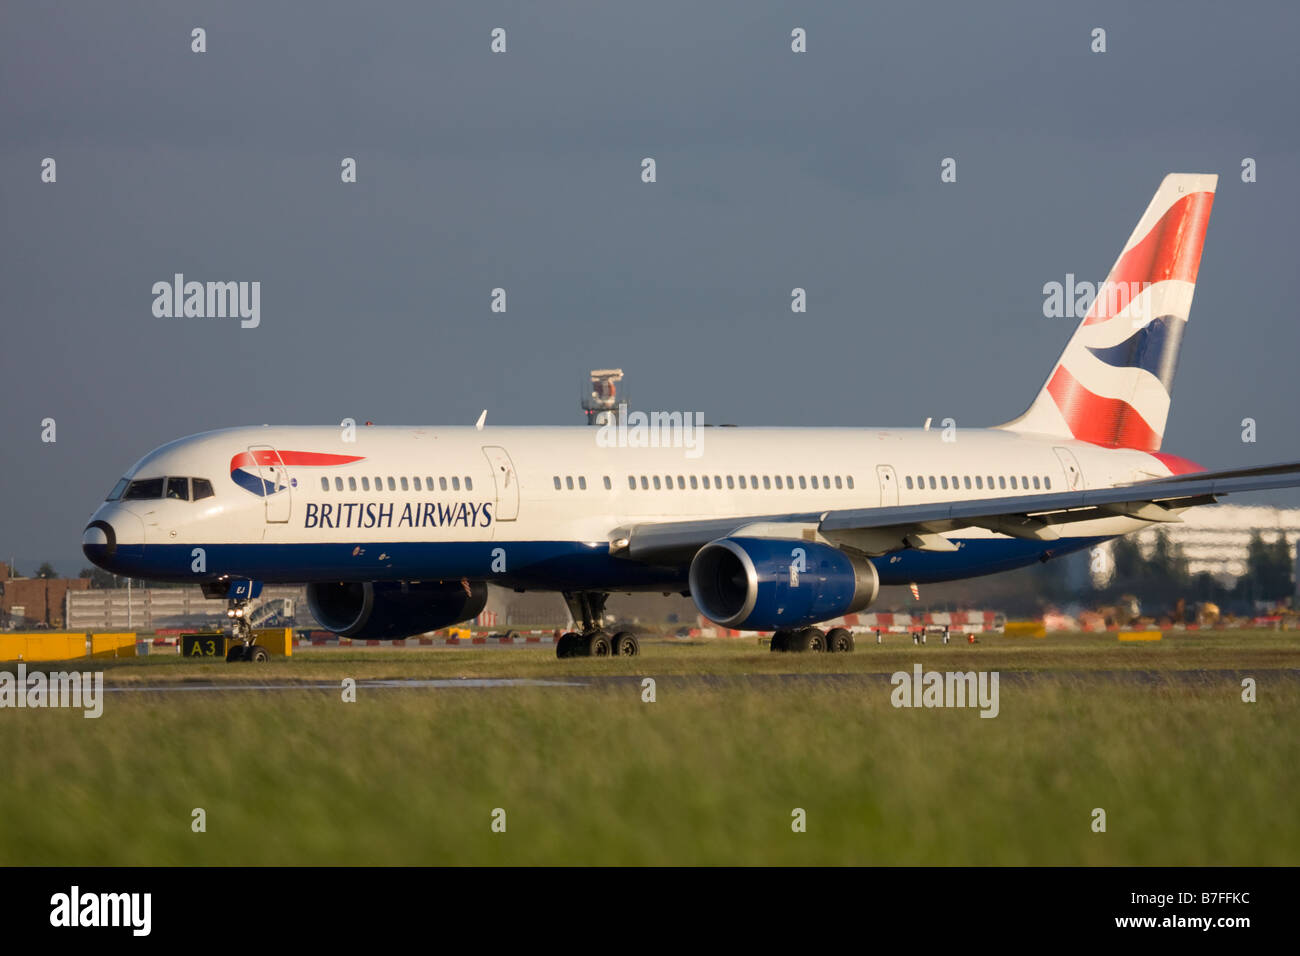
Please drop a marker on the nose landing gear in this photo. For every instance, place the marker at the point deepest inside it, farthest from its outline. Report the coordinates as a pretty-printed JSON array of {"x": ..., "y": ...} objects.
[{"x": 242, "y": 637}]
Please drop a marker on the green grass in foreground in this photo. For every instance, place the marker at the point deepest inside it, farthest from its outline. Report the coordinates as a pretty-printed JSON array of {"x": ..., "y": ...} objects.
[{"x": 706, "y": 775}]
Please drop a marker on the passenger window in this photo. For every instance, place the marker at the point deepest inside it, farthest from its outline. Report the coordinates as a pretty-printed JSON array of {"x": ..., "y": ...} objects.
[
  {"x": 681, "y": 482},
  {"x": 568, "y": 482},
  {"x": 1002, "y": 482},
  {"x": 178, "y": 489},
  {"x": 814, "y": 481},
  {"x": 352, "y": 483},
  {"x": 943, "y": 481},
  {"x": 777, "y": 479},
  {"x": 753, "y": 482},
  {"x": 1035, "y": 481},
  {"x": 803, "y": 482},
  {"x": 731, "y": 481},
  {"x": 608, "y": 484},
  {"x": 742, "y": 481},
  {"x": 455, "y": 483},
  {"x": 1013, "y": 482},
  {"x": 767, "y": 482},
  {"x": 365, "y": 483},
  {"x": 631, "y": 482},
  {"x": 933, "y": 483},
  {"x": 442, "y": 483},
  {"x": 469, "y": 483},
  {"x": 338, "y": 483},
  {"x": 717, "y": 482},
  {"x": 1024, "y": 482},
  {"x": 324, "y": 484},
  {"x": 415, "y": 482},
  {"x": 979, "y": 482},
  {"x": 908, "y": 481},
  {"x": 582, "y": 482},
  {"x": 826, "y": 482},
  {"x": 202, "y": 489},
  {"x": 966, "y": 481},
  {"x": 850, "y": 477},
  {"x": 405, "y": 484},
  {"x": 668, "y": 482},
  {"x": 556, "y": 479},
  {"x": 428, "y": 482},
  {"x": 645, "y": 485},
  {"x": 839, "y": 483},
  {"x": 694, "y": 483},
  {"x": 1047, "y": 483},
  {"x": 658, "y": 487}
]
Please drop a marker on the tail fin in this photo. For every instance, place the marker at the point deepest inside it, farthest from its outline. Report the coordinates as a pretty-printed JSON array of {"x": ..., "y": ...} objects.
[{"x": 1111, "y": 385}]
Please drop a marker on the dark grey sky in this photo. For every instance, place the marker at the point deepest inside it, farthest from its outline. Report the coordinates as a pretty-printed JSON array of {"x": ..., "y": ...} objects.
[{"x": 522, "y": 170}]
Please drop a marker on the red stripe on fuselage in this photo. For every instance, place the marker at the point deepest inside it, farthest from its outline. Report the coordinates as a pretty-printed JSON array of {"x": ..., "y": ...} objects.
[
  {"x": 268, "y": 456},
  {"x": 1100, "y": 420},
  {"x": 1171, "y": 250},
  {"x": 1177, "y": 464}
]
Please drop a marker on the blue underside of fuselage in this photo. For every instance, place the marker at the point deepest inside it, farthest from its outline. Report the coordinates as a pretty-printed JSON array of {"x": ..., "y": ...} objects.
[{"x": 533, "y": 565}]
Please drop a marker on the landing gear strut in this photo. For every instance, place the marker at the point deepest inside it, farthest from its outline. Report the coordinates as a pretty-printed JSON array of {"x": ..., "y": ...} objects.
[
  {"x": 242, "y": 647},
  {"x": 593, "y": 641}
]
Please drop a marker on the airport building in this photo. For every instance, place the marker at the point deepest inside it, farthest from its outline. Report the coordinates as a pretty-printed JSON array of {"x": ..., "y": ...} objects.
[
  {"x": 25, "y": 602},
  {"x": 1216, "y": 538}
]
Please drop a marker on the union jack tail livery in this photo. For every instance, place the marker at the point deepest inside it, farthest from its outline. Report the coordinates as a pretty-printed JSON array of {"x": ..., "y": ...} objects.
[{"x": 1111, "y": 386}]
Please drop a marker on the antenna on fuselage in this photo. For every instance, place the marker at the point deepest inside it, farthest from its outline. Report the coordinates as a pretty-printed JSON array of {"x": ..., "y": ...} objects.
[
  {"x": 481, "y": 419},
  {"x": 927, "y": 423}
]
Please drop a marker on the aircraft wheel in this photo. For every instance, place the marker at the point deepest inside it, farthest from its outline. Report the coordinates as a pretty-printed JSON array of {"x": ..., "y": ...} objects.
[
  {"x": 596, "y": 644},
  {"x": 625, "y": 644},
  {"x": 839, "y": 640},
  {"x": 237, "y": 652},
  {"x": 781, "y": 640},
  {"x": 569, "y": 645},
  {"x": 258, "y": 655},
  {"x": 808, "y": 639}
]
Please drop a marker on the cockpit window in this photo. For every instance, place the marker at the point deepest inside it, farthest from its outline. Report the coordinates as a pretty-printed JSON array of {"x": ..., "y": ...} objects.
[
  {"x": 178, "y": 489},
  {"x": 117, "y": 490},
  {"x": 202, "y": 488},
  {"x": 143, "y": 488}
]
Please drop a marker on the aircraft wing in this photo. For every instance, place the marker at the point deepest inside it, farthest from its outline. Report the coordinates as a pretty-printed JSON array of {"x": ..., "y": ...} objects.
[{"x": 877, "y": 531}]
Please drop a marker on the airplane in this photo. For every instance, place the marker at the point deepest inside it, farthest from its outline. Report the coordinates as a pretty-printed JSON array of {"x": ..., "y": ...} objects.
[{"x": 396, "y": 531}]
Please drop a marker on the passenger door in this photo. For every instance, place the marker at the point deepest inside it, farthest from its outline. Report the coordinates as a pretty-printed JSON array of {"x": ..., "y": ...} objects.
[
  {"x": 275, "y": 483},
  {"x": 1073, "y": 476},
  {"x": 888, "y": 485},
  {"x": 507, "y": 482}
]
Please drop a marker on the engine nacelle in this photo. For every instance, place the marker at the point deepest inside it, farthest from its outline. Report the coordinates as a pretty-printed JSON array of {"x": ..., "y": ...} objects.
[
  {"x": 763, "y": 584},
  {"x": 389, "y": 610}
]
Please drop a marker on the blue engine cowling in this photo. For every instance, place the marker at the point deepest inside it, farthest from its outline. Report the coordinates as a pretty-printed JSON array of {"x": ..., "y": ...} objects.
[
  {"x": 762, "y": 584},
  {"x": 389, "y": 610}
]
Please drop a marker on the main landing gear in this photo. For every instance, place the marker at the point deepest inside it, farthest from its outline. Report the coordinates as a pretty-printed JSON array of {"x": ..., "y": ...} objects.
[
  {"x": 593, "y": 641},
  {"x": 838, "y": 640}
]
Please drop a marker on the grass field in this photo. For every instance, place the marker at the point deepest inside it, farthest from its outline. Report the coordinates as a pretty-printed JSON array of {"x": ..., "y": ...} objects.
[{"x": 709, "y": 773}]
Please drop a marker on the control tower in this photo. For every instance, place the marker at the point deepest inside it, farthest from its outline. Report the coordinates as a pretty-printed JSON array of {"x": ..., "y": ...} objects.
[{"x": 601, "y": 398}]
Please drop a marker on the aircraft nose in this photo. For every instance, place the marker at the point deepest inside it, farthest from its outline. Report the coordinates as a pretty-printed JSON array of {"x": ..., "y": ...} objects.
[{"x": 99, "y": 543}]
